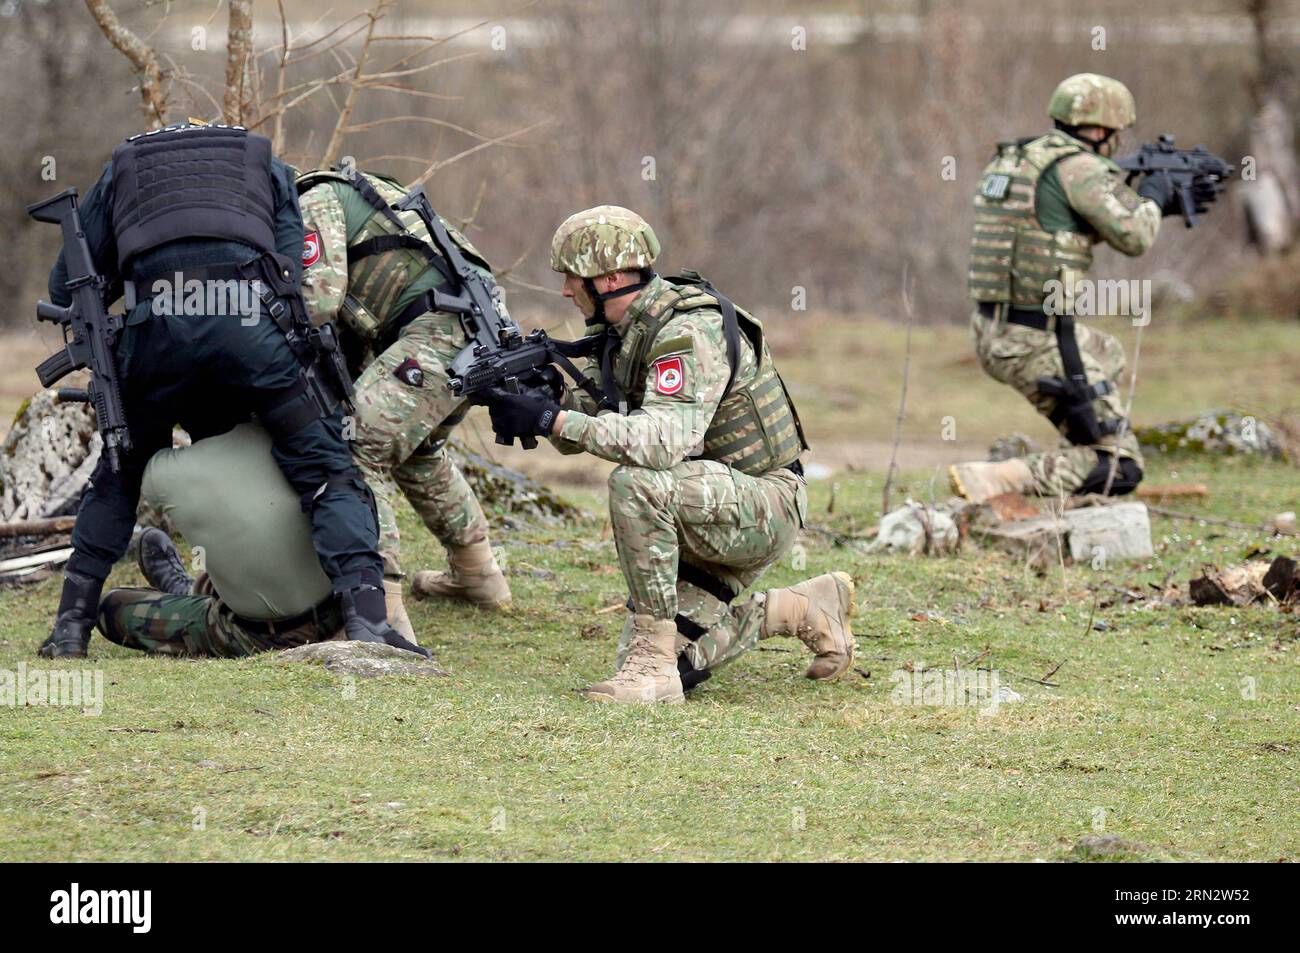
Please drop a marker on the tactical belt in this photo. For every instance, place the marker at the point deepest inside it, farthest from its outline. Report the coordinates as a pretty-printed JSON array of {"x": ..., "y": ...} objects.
[
  {"x": 326, "y": 616},
  {"x": 220, "y": 271},
  {"x": 1026, "y": 317}
]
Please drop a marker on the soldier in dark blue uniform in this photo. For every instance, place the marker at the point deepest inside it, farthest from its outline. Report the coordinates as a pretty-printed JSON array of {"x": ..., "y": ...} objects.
[{"x": 212, "y": 204}]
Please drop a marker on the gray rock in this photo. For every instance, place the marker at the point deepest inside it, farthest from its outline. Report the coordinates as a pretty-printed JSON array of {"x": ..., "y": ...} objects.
[
  {"x": 1101, "y": 535},
  {"x": 1221, "y": 432},
  {"x": 1107, "y": 847},
  {"x": 363, "y": 659},
  {"x": 916, "y": 529}
]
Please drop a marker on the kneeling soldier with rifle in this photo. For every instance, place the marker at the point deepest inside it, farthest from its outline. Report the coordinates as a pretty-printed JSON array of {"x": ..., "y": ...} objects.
[
  {"x": 709, "y": 491},
  {"x": 375, "y": 266},
  {"x": 1042, "y": 203}
]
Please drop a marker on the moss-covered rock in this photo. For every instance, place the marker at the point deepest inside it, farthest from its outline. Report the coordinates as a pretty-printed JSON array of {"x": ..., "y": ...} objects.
[{"x": 1218, "y": 432}]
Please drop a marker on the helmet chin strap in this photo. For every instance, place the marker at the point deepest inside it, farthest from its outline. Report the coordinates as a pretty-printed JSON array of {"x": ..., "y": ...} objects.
[
  {"x": 598, "y": 299},
  {"x": 1094, "y": 144}
]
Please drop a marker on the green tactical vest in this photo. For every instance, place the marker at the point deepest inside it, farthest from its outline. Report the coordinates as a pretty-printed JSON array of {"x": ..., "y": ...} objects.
[
  {"x": 382, "y": 284},
  {"x": 756, "y": 428},
  {"x": 1012, "y": 256}
]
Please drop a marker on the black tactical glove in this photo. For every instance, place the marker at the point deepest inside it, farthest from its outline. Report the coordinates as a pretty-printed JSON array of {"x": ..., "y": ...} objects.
[
  {"x": 363, "y": 621},
  {"x": 527, "y": 415},
  {"x": 1159, "y": 188},
  {"x": 78, "y": 609},
  {"x": 1205, "y": 191},
  {"x": 546, "y": 380}
]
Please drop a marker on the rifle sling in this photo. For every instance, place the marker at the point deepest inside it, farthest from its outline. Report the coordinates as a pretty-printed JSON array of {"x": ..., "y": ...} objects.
[{"x": 561, "y": 351}]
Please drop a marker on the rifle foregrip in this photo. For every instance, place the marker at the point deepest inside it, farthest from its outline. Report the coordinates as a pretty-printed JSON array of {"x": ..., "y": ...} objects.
[{"x": 55, "y": 367}]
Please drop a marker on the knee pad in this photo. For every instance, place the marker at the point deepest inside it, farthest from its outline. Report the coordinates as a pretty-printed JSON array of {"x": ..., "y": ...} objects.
[
  {"x": 349, "y": 480},
  {"x": 690, "y": 675},
  {"x": 1127, "y": 476}
]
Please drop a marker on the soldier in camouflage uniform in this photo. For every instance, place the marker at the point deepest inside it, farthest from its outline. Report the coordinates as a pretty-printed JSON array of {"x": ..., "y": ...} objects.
[
  {"x": 1042, "y": 204},
  {"x": 709, "y": 491},
  {"x": 262, "y": 589},
  {"x": 371, "y": 269}
]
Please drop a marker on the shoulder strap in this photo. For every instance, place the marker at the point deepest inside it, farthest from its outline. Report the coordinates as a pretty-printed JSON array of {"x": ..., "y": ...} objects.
[{"x": 730, "y": 323}]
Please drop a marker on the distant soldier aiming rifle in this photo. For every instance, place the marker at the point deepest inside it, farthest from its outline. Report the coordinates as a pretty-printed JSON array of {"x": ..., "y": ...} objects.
[{"x": 1041, "y": 205}]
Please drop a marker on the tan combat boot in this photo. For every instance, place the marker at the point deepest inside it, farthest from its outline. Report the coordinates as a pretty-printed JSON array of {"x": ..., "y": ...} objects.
[
  {"x": 649, "y": 673},
  {"x": 474, "y": 577},
  {"x": 818, "y": 612},
  {"x": 397, "y": 616},
  {"x": 979, "y": 482}
]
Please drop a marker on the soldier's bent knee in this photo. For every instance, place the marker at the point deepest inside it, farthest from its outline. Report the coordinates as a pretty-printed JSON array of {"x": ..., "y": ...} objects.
[{"x": 629, "y": 484}]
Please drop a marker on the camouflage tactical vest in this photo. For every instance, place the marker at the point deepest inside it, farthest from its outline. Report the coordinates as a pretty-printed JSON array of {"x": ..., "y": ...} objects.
[
  {"x": 1012, "y": 255},
  {"x": 377, "y": 281},
  {"x": 756, "y": 428}
]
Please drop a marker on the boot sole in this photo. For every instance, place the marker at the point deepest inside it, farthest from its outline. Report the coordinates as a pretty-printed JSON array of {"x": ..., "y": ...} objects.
[
  {"x": 611, "y": 700},
  {"x": 845, "y": 583},
  {"x": 954, "y": 482}
]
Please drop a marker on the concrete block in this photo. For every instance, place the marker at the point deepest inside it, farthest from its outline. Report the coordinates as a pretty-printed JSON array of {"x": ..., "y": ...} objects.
[{"x": 1105, "y": 534}]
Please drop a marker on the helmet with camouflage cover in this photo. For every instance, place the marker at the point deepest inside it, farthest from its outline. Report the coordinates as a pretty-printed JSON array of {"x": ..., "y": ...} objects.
[
  {"x": 602, "y": 240},
  {"x": 1088, "y": 99}
]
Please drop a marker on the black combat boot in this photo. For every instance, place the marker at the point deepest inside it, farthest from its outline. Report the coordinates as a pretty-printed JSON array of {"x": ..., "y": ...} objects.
[
  {"x": 78, "y": 608},
  {"x": 162, "y": 565},
  {"x": 365, "y": 619}
]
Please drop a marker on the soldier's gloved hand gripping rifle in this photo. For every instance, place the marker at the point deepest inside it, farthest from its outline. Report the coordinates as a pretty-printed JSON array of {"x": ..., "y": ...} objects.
[
  {"x": 93, "y": 330},
  {"x": 498, "y": 355}
]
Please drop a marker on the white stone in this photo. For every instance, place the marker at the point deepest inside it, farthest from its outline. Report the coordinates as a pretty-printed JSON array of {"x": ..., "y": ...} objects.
[{"x": 1118, "y": 531}]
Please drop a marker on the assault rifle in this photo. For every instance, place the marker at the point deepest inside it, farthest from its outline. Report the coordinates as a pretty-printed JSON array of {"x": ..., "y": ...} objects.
[
  {"x": 498, "y": 353},
  {"x": 93, "y": 329},
  {"x": 1198, "y": 175}
]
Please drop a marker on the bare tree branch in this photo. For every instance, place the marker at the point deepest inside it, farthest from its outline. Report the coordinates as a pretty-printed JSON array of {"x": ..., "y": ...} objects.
[
  {"x": 143, "y": 59},
  {"x": 443, "y": 163},
  {"x": 345, "y": 114},
  {"x": 238, "y": 102},
  {"x": 908, "y": 291}
]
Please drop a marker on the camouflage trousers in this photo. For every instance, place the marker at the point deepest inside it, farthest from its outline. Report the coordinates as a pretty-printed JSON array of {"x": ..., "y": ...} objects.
[
  {"x": 730, "y": 525},
  {"x": 403, "y": 418},
  {"x": 1019, "y": 356},
  {"x": 201, "y": 625}
]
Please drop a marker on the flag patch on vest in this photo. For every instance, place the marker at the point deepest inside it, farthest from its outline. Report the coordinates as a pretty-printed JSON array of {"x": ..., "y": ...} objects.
[
  {"x": 994, "y": 186},
  {"x": 669, "y": 375},
  {"x": 310, "y": 249},
  {"x": 410, "y": 372}
]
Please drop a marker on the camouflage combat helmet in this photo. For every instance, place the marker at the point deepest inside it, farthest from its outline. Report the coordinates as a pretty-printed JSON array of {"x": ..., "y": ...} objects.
[
  {"x": 1087, "y": 99},
  {"x": 602, "y": 240}
]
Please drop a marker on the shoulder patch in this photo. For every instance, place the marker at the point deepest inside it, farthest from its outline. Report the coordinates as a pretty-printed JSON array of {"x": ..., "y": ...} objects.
[
  {"x": 311, "y": 248},
  {"x": 684, "y": 344},
  {"x": 669, "y": 375}
]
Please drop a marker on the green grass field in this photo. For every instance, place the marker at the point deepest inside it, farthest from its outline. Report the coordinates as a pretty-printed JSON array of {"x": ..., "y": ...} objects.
[{"x": 1175, "y": 728}]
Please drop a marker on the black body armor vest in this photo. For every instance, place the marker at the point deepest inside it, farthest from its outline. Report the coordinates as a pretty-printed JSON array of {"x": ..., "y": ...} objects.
[{"x": 185, "y": 182}]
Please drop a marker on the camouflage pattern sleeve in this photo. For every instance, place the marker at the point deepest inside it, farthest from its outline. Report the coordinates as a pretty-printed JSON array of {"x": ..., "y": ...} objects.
[
  {"x": 578, "y": 401},
  {"x": 687, "y": 373},
  {"x": 324, "y": 252},
  {"x": 1122, "y": 218}
]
